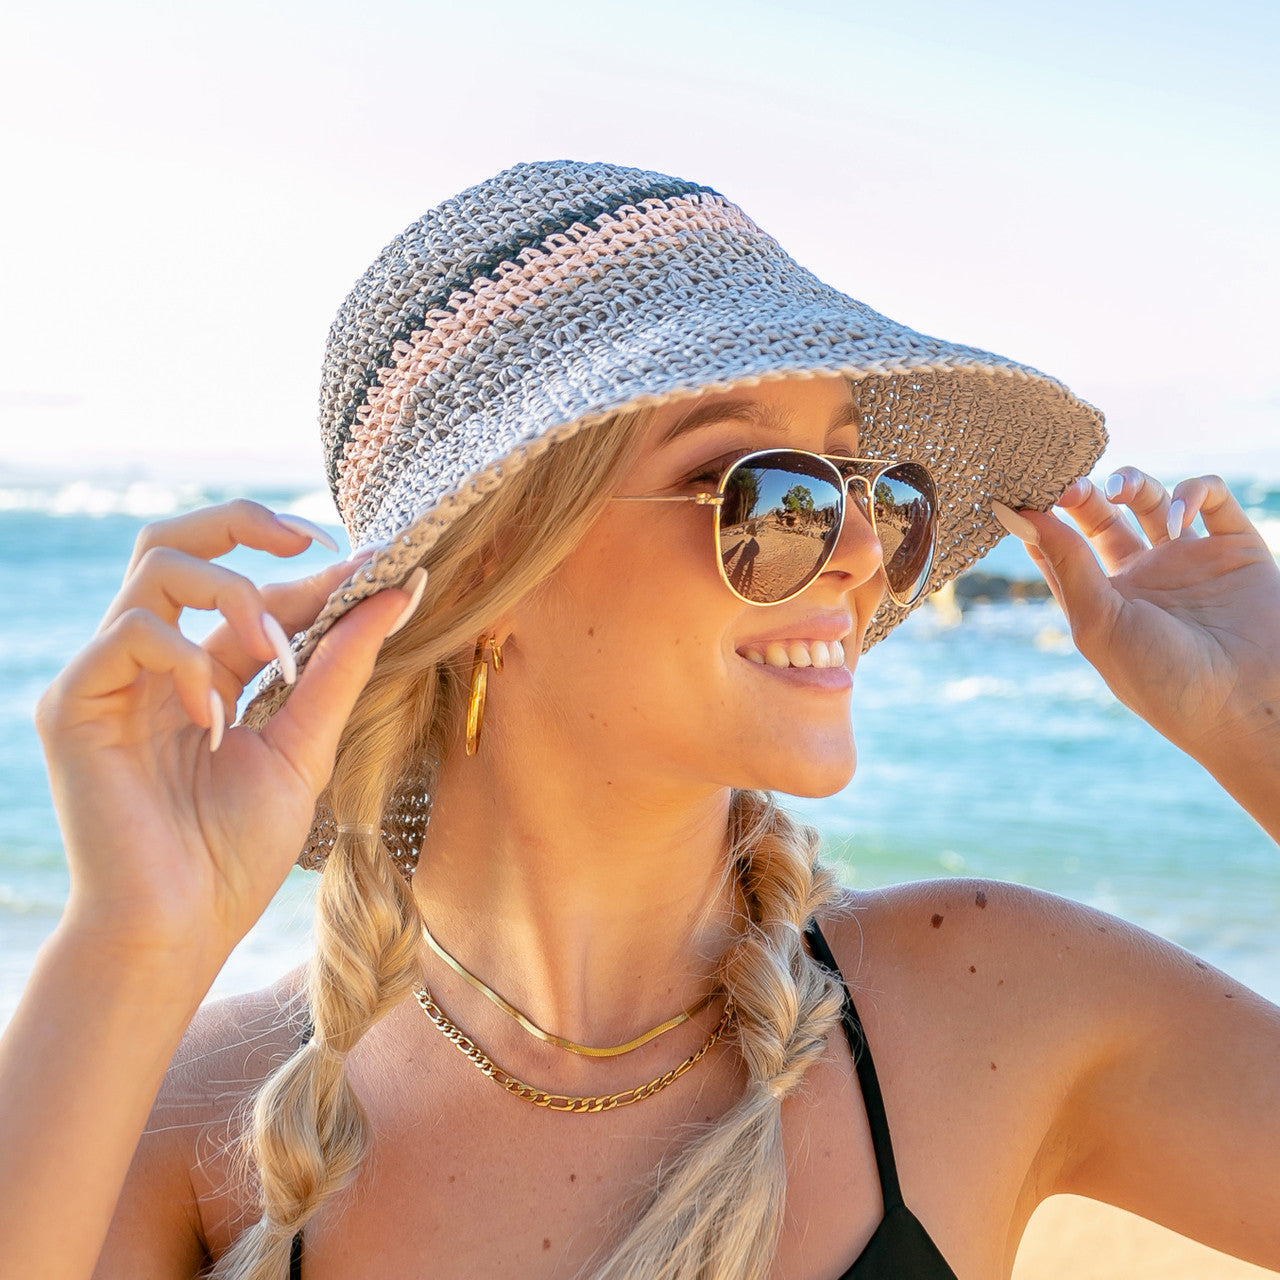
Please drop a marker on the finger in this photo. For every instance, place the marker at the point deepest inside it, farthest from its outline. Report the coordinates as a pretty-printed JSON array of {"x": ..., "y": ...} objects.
[
  {"x": 136, "y": 644},
  {"x": 1083, "y": 588},
  {"x": 1216, "y": 505},
  {"x": 1046, "y": 572},
  {"x": 306, "y": 729},
  {"x": 1110, "y": 533},
  {"x": 213, "y": 531},
  {"x": 1146, "y": 497},
  {"x": 294, "y": 605},
  {"x": 166, "y": 581}
]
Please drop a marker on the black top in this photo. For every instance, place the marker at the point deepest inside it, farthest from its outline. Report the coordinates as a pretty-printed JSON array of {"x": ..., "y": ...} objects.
[{"x": 899, "y": 1248}]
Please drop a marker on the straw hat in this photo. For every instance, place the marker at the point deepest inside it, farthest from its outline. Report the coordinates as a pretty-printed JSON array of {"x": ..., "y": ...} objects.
[{"x": 536, "y": 304}]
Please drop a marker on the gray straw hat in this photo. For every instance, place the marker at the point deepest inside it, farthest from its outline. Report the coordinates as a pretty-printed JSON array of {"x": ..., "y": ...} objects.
[{"x": 538, "y": 303}]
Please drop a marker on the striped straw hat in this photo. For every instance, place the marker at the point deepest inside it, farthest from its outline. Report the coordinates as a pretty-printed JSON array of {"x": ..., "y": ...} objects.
[{"x": 538, "y": 303}]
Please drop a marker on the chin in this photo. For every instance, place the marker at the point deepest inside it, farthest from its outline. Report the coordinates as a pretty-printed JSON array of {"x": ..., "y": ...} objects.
[{"x": 811, "y": 776}]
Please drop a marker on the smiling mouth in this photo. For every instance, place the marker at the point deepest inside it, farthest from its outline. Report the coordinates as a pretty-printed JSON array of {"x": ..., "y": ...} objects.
[{"x": 796, "y": 653}]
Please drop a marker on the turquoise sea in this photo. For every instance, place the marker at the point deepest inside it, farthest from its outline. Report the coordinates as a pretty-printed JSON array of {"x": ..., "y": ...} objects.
[{"x": 987, "y": 747}]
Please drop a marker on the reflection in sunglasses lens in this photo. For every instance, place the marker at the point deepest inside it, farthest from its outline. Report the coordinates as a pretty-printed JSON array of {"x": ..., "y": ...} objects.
[
  {"x": 776, "y": 525},
  {"x": 781, "y": 516},
  {"x": 903, "y": 505}
]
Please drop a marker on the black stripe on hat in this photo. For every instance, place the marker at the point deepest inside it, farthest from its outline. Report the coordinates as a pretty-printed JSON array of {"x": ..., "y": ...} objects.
[{"x": 556, "y": 222}]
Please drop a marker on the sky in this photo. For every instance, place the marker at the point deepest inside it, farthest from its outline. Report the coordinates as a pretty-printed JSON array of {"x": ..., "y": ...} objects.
[{"x": 191, "y": 190}]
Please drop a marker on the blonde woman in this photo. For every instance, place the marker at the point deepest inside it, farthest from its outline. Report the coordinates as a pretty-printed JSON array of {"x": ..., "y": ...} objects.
[{"x": 634, "y": 490}]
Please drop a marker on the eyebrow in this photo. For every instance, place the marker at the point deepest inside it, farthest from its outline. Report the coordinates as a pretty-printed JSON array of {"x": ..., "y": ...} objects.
[{"x": 751, "y": 412}]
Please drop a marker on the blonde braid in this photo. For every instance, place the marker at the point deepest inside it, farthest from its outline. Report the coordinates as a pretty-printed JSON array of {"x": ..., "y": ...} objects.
[
  {"x": 717, "y": 1214},
  {"x": 309, "y": 1135}
]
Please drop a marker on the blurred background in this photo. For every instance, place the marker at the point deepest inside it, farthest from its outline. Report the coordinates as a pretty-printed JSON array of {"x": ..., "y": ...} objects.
[{"x": 1091, "y": 189}]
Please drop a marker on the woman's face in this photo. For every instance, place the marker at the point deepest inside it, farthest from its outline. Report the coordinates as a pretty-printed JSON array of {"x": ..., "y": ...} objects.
[{"x": 634, "y": 651}]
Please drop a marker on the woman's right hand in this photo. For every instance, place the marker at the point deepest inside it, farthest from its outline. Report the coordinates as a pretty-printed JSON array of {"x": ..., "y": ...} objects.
[{"x": 174, "y": 847}]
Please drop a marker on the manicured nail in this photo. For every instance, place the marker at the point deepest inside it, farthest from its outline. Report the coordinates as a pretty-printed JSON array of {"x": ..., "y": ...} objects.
[
  {"x": 217, "y": 721},
  {"x": 280, "y": 643},
  {"x": 300, "y": 524},
  {"x": 1177, "y": 511},
  {"x": 415, "y": 585},
  {"x": 1021, "y": 528},
  {"x": 1114, "y": 486}
]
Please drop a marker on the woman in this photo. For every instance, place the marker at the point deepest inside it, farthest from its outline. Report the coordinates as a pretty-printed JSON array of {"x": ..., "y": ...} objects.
[{"x": 542, "y": 807}]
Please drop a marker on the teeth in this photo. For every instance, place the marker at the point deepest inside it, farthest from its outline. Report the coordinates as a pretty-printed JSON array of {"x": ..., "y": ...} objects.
[{"x": 798, "y": 653}]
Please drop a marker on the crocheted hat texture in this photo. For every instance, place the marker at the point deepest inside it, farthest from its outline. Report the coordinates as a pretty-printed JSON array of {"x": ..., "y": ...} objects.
[{"x": 536, "y": 304}]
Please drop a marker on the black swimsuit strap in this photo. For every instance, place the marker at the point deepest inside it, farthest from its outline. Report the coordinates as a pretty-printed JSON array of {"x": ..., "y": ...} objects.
[{"x": 872, "y": 1099}]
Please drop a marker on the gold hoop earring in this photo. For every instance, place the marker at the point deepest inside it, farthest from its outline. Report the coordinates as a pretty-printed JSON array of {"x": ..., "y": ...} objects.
[{"x": 485, "y": 647}]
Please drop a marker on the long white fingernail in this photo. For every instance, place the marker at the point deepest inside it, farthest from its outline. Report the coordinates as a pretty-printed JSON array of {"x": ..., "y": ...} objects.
[
  {"x": 1114, "y": 486},
  {"x": 1019, "y": 526},
  {"x": 217, "y": 721},
  {"x": 308, "y": 529},
  {"x": 1177, "y": 510},
  {"x": 415, "y": 585},
  {"x": 280, "y": 643}
]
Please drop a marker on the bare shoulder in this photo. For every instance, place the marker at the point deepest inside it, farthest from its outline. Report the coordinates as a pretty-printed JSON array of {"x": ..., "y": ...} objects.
[
  {"x": 967, "y": 953},
  {"x": 946, "y": 926},
  {"x": 232, "y": 1045},
  {"x": 183, "y": 1193},
  {"x": 1038, "y": 1044}
]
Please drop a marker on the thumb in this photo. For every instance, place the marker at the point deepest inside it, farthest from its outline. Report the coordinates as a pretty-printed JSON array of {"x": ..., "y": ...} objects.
[
  {"x": 1078, "y": 581},
  {"x": 305, "y": 731}
]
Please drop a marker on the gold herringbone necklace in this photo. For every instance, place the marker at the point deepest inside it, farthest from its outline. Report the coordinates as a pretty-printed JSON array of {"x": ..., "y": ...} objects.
[
  {"x": 560, "y": 1101},
  {"x": 586, "y": 1050}
]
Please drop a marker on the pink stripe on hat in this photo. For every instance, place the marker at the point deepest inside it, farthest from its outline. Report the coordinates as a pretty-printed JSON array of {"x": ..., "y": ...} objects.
[{"x": 529, "y": 282}]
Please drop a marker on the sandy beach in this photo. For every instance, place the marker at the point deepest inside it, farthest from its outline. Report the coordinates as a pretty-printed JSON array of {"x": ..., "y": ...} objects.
[{"x": 1068, "y": 1236}]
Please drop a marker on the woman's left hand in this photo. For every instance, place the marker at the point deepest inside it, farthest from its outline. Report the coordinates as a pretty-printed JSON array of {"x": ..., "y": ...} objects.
[{"x": 1184, "y": 627}]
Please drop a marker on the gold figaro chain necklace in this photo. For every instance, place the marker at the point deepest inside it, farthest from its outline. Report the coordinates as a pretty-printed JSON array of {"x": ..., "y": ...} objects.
[{"x": 560, "y": 1101}]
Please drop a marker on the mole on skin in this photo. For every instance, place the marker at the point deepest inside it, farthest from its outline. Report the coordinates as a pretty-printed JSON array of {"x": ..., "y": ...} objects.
[
  {"x": 936, "y": 921},
  {"x": 980, "y": 900}
]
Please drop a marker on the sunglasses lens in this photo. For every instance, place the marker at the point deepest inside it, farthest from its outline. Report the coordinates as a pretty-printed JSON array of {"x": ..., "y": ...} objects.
[
  {"x": 781, "y": 513},
  {"x": 906, "y": 522}
]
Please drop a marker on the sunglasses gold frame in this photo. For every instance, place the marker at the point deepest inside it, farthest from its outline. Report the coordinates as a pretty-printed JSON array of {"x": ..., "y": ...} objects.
[{"x": 877, "y": 468}]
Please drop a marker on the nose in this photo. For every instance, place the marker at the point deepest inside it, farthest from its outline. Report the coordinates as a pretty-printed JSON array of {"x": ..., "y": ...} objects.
[{"x": 858, "y": 552}]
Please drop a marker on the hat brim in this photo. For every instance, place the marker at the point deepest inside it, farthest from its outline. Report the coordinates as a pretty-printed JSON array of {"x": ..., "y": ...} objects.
[{"x": 986, "y": 427}]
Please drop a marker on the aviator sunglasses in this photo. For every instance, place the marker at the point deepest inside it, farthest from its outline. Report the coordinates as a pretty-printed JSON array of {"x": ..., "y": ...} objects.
[{"x": 780, "y": 512}]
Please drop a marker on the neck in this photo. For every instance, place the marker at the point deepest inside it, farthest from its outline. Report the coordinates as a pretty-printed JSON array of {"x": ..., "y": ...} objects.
[{"x": 597, "y": 910}]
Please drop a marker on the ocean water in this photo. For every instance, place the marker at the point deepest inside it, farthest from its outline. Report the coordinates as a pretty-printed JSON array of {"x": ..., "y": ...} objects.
[{"x": 987, "y": 747}]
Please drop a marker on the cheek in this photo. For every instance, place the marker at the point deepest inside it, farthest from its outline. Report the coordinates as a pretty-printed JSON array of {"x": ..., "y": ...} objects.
[{"x": 639, "y": 638}]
